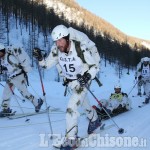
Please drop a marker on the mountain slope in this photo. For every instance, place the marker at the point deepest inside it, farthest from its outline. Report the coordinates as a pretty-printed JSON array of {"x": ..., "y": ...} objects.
[{"x": 74, "y": 13}]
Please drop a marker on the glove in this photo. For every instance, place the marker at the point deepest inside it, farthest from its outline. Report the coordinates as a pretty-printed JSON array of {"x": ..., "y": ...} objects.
[
  {"x": 140, "y": 77},
  {"x": 37, "y": 54},
  {"x": 2, "y": 69},
  {"x": 65, "y": 82},
  {"x": 83, "y": 80}
]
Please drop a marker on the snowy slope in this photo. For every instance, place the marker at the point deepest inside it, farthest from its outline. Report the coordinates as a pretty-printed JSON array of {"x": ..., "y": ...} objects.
[{"x": 20, "y": 135}]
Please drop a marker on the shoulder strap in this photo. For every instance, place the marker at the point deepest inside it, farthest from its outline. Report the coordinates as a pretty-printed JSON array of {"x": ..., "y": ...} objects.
[
  {"x": 141, "y": 66},
  {"x": 10, "y": 62},
  {"x": 140, "y": 69},
  {"x": 79, "y": 51}
]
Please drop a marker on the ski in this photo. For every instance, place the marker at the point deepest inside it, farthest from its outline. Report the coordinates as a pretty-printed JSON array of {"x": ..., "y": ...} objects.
[
  {"x": 136, "y": 95},
  {"x": 88, "y": 137},
  {"x": 17, "y": 116}
]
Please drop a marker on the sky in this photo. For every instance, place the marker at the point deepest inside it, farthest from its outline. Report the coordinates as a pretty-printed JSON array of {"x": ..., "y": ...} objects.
[{"x": 130, "y": 16}]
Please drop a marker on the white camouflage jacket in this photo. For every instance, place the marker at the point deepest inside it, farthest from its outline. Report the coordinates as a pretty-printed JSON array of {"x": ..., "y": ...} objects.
[
  {"x": 14, "y": 59},
  {"x": 143, "y": 71}
]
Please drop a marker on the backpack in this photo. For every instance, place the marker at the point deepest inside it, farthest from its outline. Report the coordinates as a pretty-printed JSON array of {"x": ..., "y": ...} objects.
[
  {"x": 21, "y": 56},
  {"x": 93, "y": 54}
]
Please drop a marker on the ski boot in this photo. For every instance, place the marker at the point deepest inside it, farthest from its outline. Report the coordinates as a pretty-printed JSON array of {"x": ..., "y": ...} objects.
[
  {"x": 94, "y": 125},
  {"x": 139, "y": 93},
  {"x": 38, "y": 107},
  {"x": 5, "y": 112},
  {"x": 147, "y": 100},
  {"x": 70, "y": 144}
]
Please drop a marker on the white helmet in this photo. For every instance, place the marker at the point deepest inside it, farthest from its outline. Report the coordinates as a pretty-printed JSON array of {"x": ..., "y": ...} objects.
[
  {"x": 145, "y": 59},
  {"x": 117, "y": 86},
  {"x": 1, "y": 47},
  {"x": 59, "y": 32}
]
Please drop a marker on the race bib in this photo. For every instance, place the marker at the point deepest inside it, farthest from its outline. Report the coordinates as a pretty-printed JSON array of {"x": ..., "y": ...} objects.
[
  {"x": 146, "y": 71},
  {"x": 70, "y": 63}
]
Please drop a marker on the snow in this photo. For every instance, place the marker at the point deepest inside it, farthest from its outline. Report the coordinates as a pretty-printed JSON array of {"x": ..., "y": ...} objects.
[
  {"x": 146, "y": 44},
  {"x": 71, "y": 14},
  {"x": 17, "y": 134}
]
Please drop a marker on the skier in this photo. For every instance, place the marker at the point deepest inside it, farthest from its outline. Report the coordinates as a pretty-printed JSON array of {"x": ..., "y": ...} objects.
[
  {"x": 67, "y": 41},
  {"x": 140, "y": 82},
  {"x": 118, "y": 99},
  {"x": 143, "y": 74},
  {"x": 17, "y": 62},
  {"x": 118, "y": 102}
]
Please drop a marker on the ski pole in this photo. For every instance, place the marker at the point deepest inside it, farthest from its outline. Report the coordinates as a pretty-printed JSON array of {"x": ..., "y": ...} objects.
[
  {"x": 120, "y": 130},
  {"x": 1, "y": 84},
  {"x": 133, "y": 87},
  {"x": 27, "y": 120},
  {"x": 44, "y": 95},
  {"x": 23, "y": 100},
  {"x": 39, "y": 95},
  {"x": 16, "y": 101}
]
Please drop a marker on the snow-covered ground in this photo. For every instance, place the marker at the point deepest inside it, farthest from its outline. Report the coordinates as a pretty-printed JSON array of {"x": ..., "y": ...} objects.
[{"x": 34, "y": 135}]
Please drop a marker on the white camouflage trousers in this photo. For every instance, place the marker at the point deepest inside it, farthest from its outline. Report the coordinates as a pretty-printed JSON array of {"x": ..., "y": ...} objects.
[
  {"x": 76, "y": 100},
  {"x": 140, "y": 84},
  {"x": 20, "y": 83},
  {"x": 147, "y": 87}
]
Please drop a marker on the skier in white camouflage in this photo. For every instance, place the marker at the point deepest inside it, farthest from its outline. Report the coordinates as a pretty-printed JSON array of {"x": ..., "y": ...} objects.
[
  {"x": 143, "y": 74},
  {"x": 139, "y": 81},
  {"x": 64, "y": 52},
  {"x": 17, "y": 62}
]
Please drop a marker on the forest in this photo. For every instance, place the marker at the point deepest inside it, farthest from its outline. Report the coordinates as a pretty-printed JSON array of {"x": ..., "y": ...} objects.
[{"x": 36, "y": 18}]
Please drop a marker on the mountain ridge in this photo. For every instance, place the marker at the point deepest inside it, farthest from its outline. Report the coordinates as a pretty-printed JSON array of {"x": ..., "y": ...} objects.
[{"x": 73, "y": 12}]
